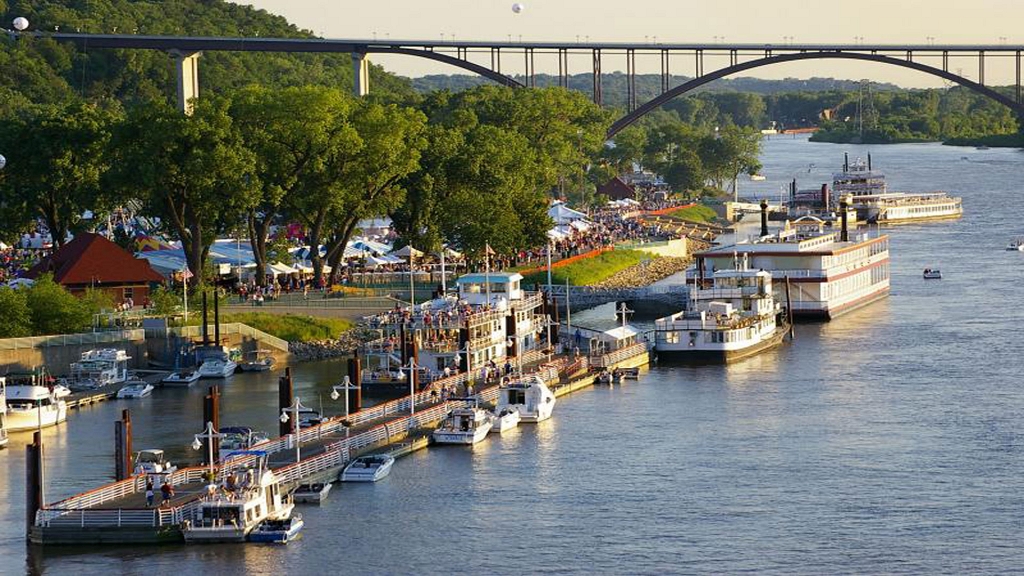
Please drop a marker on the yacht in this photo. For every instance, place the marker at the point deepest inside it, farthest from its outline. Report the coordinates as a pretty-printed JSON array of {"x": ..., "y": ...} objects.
[
  {"x": 506, "y": 419},
  {"x": 257, "y": 361},
  {"x": 467, "y": 425},
  {"x": 735, "y": 318},
  {"x": 3, "y": 412},
  {"x": 231, "y": 510},
  {"x": 135, "y": 389},
  {"x": 181, "y": 378},
  {"x": 98, "y": 368},
  {"x": 370, "y": 468},
  {"x": 152, "y": 461},
  {"x": 1016, "y": 245},
  {"x": 530, "y": 397},
  {"x": 217, "y": 366},
  {"x": 235, "y": 439},
  {"x": 30, "y": 407}
]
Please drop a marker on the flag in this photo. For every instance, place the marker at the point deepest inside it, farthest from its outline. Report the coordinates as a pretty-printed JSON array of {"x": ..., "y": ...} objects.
[{"x": 186, "y": 273}]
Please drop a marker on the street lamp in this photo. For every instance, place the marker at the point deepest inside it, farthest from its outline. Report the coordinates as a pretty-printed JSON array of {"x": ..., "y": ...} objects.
[
  {"x": 345, "y": 385},
  {"x": 413, "y": 366},
  {"x": 209, "y": 435},
  {"x": 296, "y": 427}
]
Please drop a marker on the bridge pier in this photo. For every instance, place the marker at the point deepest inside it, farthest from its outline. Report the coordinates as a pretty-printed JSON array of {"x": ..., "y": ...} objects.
[
  {"x": 187, "y": 66},
  {"x": 361, "y": 73}
]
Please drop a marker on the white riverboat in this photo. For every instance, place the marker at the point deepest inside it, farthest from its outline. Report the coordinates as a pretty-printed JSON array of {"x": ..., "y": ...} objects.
[
  {"x": 530, "y": 397},
  {"x": 506, "y": 419},
  {"x": 98, "y": 368},
  {"x": 1016, "y": 245},
  {"x": 181, "y": 378},
  {"x": 369, "y": 468},
  {"x": 3, "y": 412},
  {"x": 229, "y": 511},
  {"x": 735, "y": 318},
  {"x": 467, "y": 425},
  {"x": 31, "y": 407},
  {"x": 135, "y": 389},
  {"x": 875, "y": 204},
  {"x": 152, "y": 462}
]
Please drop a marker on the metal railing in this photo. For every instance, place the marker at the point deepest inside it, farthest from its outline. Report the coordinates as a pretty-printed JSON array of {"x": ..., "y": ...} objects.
[
  {"x": 605, "y": 360},
  {"x": 84, "y": 338},
  {"x": 229, "y": 328}
]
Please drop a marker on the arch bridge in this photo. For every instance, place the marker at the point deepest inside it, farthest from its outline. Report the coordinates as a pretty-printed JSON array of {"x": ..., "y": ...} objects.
[{"x": 514, "y": 63}]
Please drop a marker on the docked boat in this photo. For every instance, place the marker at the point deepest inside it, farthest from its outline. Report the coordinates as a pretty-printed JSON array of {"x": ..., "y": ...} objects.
[
  {"x": 932, "y": 274},
  {"x": 98, "y": 368},
  {"x": 257, "y": 361},
  {"x": 506, "y": 419},
  {"x": 3, "y": 412},
  {"x": 1016, "y": 245},
  {"x": 312, "y": 493},
  {"x": 369, "y": 468},
  {"x": 230, "y": 511},
  {"x": 277, "y": 531},
  {"x": 530, "y": 397},
  {"x": 309, "y": 417},
  {"x": 181, "y": 378},
  {"x": 135, "y": 389},
  {"x": 235, "y": 439},
  {"x": 467, "y": 425},
  {"x": 603, "y": 377},
  {"x": 217, "y": 366},
  {"x": 735, "y": 318},
  {"x": 152, "y": 461},
  {"x": 875, "y": 204},
  {"x": 30, "y": 407}
]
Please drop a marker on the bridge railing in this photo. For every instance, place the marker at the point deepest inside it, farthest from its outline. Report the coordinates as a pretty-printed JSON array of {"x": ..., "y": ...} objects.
[{"x": 606, "y": 360}]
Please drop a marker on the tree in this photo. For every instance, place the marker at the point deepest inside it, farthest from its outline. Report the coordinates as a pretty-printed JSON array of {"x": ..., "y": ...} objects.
[
  {"x": 192, "y": 172},
  {"x": 54, "y": 310},
  {"x": 164, "y": 302},
  {"x": 56, "y": 156},
  {"x": 16, "y": 320}
]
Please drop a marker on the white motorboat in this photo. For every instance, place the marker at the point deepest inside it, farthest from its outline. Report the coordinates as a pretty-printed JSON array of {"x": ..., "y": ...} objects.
[
  {"x": 152, "y": 461},
  {"x": 506, "y": 419},
  {"x": 235, "y": 439},
  {"x": 464, "y": 426},
  {"x": 932, "y": 274},
  {"x": 1016, "y": 245},
  {"x": 257, "y": 361},
  {"x": 312, "y": 493},
  {"x": 369, "y": 468},
  {"x": 229, "y": 511},
  {"x": 181, "y": 378},
  {"x": 3, "y": 412},
  {"x": 98, "y": 368},
  {"x": 137, "y": 389},
  {"x": 32, "y": 407},
  {"x": 530, "y": 396},
  {"x": 309, "y": 417},
  {"x": 278, "y": 531},
  {"x": 216, "y": 367}
]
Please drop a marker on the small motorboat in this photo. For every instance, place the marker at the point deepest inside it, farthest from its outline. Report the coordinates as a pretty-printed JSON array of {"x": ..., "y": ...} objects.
[
  {"x": 467, "y": 425},
  {"x": 151, "y": 461},
  {"x": 278, "y": 531},
  {"x": 257, "y": 361},
  {"x": 183, "y": 378},
  {"x": 630, "y": 373},
  {"x": 507, "y": 419},
  {"x": 309, "y": 417},
  {"x": 1016, "y": 245},
  {"x": 758, "y": 177},
  {"x": 932, "y": 274},
  {"x": 370, "y": 468},
  {"x": 311, "y": 493},
  {"x": 136, "y": 389},
  {"x": 604, "y": 377}
]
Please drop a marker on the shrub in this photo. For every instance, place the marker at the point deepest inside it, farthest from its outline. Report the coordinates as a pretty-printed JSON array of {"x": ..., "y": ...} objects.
[
  {"x": 15, "y": 318},
  {"x": 54, "y": 310}
]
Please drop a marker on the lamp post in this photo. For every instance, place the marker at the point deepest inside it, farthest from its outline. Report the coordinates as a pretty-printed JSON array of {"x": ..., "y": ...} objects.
[
  {"x": 209, "y": 435},
  {"x": 413, "y": 366},
  {"x": 296, "y": 427},
  {"x": 345, "y": 385}
]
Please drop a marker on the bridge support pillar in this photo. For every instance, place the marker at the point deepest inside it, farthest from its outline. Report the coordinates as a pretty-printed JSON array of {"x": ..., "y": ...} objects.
[
  {"x": 361, "y": 73},
  {"x": 187, "y": 66}
]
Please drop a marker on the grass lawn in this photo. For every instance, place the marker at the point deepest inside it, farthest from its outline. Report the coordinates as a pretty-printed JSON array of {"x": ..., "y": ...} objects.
[
  {"x": 591, "y": 270},
  {"x": 698, "y": 213},
  {"x": 291, "y": 327}
]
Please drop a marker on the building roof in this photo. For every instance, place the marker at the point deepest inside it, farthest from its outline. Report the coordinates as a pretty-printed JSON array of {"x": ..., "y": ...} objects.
[
  {"x": 493, "y": 277},
  {"x": 92, "y": 259},
  {"x": 616, "y": 189}
]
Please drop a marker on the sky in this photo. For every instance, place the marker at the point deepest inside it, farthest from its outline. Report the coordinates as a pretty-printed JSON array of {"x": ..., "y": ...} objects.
[{"x": 757, "y": 21}]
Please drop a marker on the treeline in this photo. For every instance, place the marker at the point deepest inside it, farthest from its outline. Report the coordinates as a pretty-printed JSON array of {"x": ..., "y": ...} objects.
[{"x": 47, "y": 308}]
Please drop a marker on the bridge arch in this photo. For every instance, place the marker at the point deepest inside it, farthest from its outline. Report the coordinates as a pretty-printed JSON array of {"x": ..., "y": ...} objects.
[
  {"x": 484, "y": 71},
  {"x": 685, "y": 87}
]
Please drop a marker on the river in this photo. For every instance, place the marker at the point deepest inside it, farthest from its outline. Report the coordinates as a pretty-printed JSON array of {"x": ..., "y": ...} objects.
[{"x": 887, "y": 441}]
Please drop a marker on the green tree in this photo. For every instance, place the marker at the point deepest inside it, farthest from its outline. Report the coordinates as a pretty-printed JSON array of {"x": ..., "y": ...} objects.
[
  {"x": 192, "y": 172},
  {"x": 164, "y": 302},
  {"x": 54, "y": 310},
  {"x": 16, "y": 320}
]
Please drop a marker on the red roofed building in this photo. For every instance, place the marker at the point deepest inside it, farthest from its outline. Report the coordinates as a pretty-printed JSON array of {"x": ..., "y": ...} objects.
[
  {"x": 90, "y": 260},
  {"x": 616, "y": 189}
]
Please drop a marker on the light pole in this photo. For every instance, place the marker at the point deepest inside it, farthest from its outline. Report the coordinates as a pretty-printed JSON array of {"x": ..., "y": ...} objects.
[
  {"x": 346, "y": 385},
  {"x": 209, "y": 435},
  {"x": 413, "y": 366},
  {"x": 296, "y": 425}
]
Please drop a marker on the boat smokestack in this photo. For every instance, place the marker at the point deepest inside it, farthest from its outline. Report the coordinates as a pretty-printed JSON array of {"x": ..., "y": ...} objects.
[
  {"x": 844, "y": 234},
  {"x": 824, "y": 196},
  {"x": 869, "y": 161},
  {"x": 846, "y": 161},
  {"x": 764, "y": 217},
  {"x": 206, "y": 328}
]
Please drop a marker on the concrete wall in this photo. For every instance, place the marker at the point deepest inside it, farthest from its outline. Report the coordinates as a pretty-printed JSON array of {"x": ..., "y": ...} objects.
[{"x": 58, "y": 359}]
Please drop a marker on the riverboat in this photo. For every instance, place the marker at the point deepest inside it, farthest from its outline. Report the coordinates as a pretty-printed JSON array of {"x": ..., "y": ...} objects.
[
  {"x": 875, "y": 204},
  {"x": 369, "y": 468},
  {"x": 152, "y": 461},
  {"x": 98, "y": 368},
  {"x": 735, "y": 318},
  {"x": 530, "y": 397},
  {"x": 506, "y": 419},
  {"x": 278, "y": 531},
  {"x": 467, "y": 425},
  {"x": 312, "y": 493},
  {"x": 135, "y": 389},
  {"x": 30, "y": 407},
  {"x": 230, "y": 511},
  {"x": 827, "y": 272}
]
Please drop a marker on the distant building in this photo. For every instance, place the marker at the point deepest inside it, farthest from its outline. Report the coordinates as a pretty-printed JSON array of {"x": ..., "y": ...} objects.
[
  {"x": 90, "y": 260},
  {"x": 616, "y": 189}
]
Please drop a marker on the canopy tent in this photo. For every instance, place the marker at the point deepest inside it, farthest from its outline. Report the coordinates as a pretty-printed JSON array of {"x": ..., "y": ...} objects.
[
  {"x": 304, "y": 252},
  {"x": 278, "y": 268},
  {"x": 407, "y": 251},
  {"x": 449, "y": 253},
  {"x": 369, "y": 245},
  {"x": 373, "y": 262},
  {"x": 562, "y": 214},
  {"x": 581, "y": 225},
  {"x": 554, "y": 234}
]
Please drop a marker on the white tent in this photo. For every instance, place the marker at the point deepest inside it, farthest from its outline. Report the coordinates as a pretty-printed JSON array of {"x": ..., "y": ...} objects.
[
  {"x": 581, "y": 225},
  {"x": 373, "y": 262},
  {"x": 561, "y": 213},
  {"x": 554, "y": 234},
  {"x": 277, "y": 268},
  {"x": 406, "y": 251}
]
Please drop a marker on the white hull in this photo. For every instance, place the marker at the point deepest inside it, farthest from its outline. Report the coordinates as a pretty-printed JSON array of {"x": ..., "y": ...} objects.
[
  {"x": 205, "y": 535},
  {"x": 506, "y": 422},
  {"x": 459, "y": 437},
  {"x": 181, "y": 380},
  {"x": 217, "y": 369},
  {"x": 135, "y": 393},
  {"x": 21, "y": 420},
  {"x": 356, "y": 472}
]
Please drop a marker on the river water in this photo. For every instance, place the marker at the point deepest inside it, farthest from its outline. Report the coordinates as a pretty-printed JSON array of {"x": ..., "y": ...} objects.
[{"x": 887, "y": 441}]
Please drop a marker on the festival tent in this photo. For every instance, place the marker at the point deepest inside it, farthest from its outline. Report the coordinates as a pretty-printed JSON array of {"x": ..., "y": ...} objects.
[
  {"x": 373, "y": 262},
  {"x": 554, "y": 234},
  {"x": 561, "y": 213},
  {"x": 370, "y": 246},
  {"x": 406, "y": 251},
  {"x": 581, "y": 225},
  {"x": 278, "y": 268}
]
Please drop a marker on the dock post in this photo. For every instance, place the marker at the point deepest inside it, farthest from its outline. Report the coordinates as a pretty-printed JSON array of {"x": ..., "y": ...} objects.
[
  {"x": 284, "y": 401},
  {"x": 33, "y": 480},
  {"x": 206, "y": 328},
  {"x": 123, "y": 446},
  {"x": 211, "y": 413},
  {"x": 355, "y": 395},
  {"x": 403, "y": 345},
  {"x": 789, "y": 310},
  {"x": 216, "y": 318}
]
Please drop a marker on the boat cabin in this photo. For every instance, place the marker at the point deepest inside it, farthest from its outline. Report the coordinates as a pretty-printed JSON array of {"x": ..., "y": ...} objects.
[{"x": 493, "y": 288}]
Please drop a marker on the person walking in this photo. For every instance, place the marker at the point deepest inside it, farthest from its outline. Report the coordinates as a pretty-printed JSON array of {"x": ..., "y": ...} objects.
[
  {"x": 149, "y": 493},
  {"x": 167, "y": 491}
]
